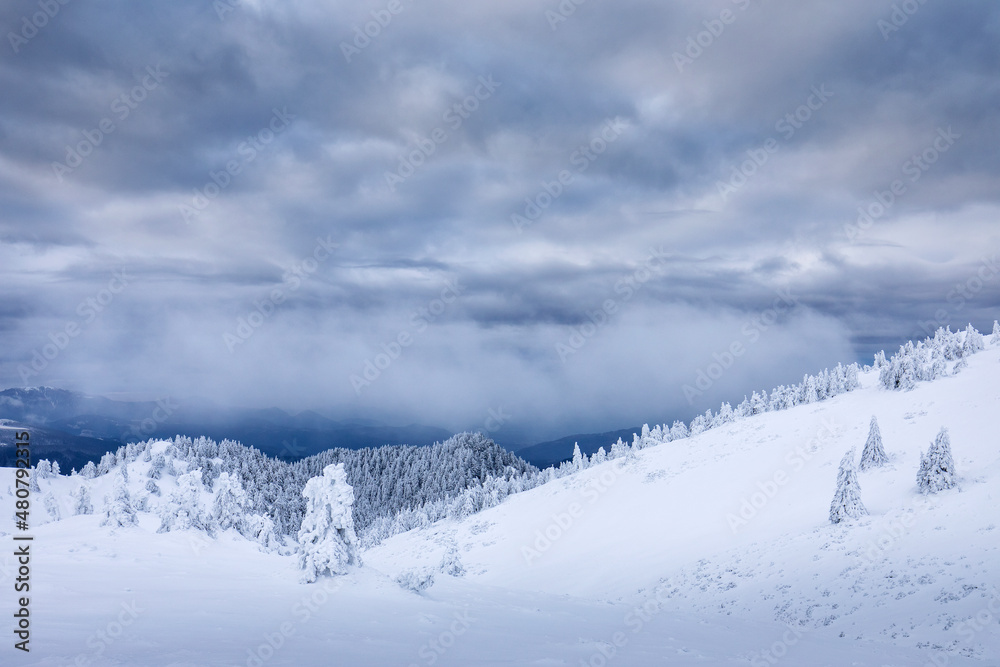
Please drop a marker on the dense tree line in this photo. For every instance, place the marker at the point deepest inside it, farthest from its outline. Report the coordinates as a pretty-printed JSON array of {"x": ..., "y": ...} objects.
[{"x": 931, "y": 358}]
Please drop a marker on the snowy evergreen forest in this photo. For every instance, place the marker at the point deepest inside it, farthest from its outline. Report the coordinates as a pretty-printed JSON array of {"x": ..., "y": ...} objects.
[{"x": 197, "y": 483}]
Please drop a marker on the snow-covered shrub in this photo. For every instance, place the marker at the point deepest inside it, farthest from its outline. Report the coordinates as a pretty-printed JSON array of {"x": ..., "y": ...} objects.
[
  {"x": 51, "y": 507},
  {"x": 451, "y": 563},
  {"x": 937, "y": 466},
  {"x": 415, "y": 580},
  {"x": 327, "y": 543},
  {"x": 260, "y": 529}
]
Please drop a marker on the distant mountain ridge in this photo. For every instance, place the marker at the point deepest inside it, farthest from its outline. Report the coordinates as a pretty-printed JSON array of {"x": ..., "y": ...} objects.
[{"x": 74, "y": 428}]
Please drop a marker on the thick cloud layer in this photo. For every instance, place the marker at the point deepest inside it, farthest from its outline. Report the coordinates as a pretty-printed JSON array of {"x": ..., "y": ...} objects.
[{"x": 427, "y": 211}]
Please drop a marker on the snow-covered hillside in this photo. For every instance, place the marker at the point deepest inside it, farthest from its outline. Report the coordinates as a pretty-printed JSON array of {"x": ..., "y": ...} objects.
[{"x": 710, "y": 550}]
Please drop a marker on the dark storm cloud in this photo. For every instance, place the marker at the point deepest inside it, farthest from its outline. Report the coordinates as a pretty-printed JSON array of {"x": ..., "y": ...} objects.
[{"x": 245, "y": 158}]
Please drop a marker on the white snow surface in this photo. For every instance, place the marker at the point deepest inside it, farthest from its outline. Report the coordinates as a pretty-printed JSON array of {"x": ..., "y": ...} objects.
[{"x": 646, "y": 561}]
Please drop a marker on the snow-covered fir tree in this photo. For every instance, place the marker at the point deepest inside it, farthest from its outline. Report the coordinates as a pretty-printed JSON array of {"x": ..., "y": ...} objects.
[
  {"x": 599, "y": 457},
  {"x": 184, "y": 509},
  {"x": 327, "y": 542},
  {"x": 119, "y": 511},
  {"x": 156, "y": 467},
  {"x": 937, "y": 466},
  {"x": 229, "y": 505},
  {"x": 89, "y": 471},
  {"x": 618, "y": 449},
  {"x": 82, "y": 503},
  {"x": 107, "y": 464},
  {"x": 846, "y": 502},
  {"x": 873, "y": 455},
  {"x": 973, "y": 341},
  {"x": 995, "y": 338}
]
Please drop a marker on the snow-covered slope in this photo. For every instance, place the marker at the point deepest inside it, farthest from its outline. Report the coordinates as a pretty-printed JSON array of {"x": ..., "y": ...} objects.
[
  {"x": 710, "y": 550},
  {"x": 734, "y": 521}
]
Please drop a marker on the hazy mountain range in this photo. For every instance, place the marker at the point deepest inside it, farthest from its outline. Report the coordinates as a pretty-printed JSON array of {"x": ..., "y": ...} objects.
[{"x": 74, "y": 428}]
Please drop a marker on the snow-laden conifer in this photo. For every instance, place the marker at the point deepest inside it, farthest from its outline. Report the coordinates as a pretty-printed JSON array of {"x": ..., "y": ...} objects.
[
  {"x": 937, "y": 466},
  {"x": 82, "y": 503},
  {"x": 327, "y": 543},
  {"x": 229, "y": 505},
  {"x": 119, "y": 510},
  {"x": 873, "y": 455},
  {"x": 847, "y": 500},
  {"x": 185, "y": 509}
]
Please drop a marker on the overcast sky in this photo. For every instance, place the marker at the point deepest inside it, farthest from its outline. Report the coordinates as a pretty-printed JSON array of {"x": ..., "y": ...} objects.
[{"x": 476, "y": 182}]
